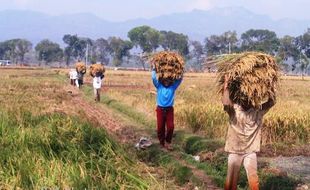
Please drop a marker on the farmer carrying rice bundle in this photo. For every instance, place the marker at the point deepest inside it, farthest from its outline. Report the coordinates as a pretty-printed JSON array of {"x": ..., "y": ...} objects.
[
  {"x": 248, "y": 84},
  {"x": 97, "y": 72},
  {"x": 170, "y": 67},
  {"x": 96, "y": 69},
  {"x": 81, "y": 70}
]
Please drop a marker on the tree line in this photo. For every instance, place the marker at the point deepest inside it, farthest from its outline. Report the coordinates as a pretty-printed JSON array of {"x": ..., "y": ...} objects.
[{"x": 145, "y": 40}]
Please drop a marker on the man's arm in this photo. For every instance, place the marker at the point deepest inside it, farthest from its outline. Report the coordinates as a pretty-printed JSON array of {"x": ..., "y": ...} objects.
[
  {"x": 225, "y": 98},
  {"x": 154, "y": 78},
  {"x": 267, "y": 105},
  {"x": 177, "y": 83},
  {"x": 226, "y": 101}
]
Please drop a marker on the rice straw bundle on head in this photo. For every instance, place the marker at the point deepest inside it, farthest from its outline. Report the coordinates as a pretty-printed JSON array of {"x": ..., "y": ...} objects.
[
  {"x": 96, "y": 70},
  {"x": 168, "y": 65},
  {"x": 80, "y": 67},
  {"x": 252, "y": 77}
]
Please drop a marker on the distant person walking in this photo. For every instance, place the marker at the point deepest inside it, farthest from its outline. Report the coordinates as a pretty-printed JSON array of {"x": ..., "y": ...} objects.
[
  {"x": 243, "y": 139},
  {"x": 81, "y": 70},
  {"x": 79, "y": 81},
  {"x": 165, "y": 111},
  {"x": 73, "y": 77},
  {"x": 97, "y": 83}
]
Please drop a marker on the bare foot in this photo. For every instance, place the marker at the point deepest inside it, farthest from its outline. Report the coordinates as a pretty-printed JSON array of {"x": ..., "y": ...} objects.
[
  {"x": 168, "y": 147},
  {"x": 163, "y": 148}
]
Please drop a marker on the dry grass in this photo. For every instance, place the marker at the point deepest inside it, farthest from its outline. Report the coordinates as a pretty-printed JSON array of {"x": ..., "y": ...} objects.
[
  {"x": 168, "y": 65},
  {"x": 252, "y": 77},
  {"x": 80, "y": 67},
  {"x": 96, "y": 70}
]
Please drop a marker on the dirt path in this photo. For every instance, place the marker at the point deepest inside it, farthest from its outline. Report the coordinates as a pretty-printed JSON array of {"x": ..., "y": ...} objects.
[
  {"x": 124, "y": 133},
  {"x": 101, "y": 118},
  {"x": 297, "y": 166},
  {"x": 207, "y": 181}
]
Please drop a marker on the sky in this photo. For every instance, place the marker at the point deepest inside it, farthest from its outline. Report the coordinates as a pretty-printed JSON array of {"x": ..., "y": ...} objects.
[{"x": 120, "y": 10}]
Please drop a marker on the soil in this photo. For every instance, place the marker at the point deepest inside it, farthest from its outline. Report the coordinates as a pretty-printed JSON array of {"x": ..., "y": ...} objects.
[{"x": 298, "y": 166}]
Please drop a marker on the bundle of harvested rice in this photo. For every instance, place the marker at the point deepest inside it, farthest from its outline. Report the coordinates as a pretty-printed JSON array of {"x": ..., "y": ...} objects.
[
  {"x": 80, "y": 67},
  {"x": 96, "y": 70},
  {"x": 168, "y": 65},
  {"x": 252, "y": 77}
]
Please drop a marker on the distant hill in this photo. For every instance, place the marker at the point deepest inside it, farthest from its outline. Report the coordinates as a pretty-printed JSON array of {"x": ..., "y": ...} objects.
[{"x": 197, "y": 24}]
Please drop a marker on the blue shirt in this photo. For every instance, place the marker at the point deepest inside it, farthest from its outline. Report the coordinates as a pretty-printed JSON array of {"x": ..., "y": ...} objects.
[{"x": 165, "y": 95}]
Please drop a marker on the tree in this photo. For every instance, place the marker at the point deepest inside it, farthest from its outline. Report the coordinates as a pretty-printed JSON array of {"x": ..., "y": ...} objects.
[
  {"x": 219, "y": 44},
  {"x": 70, "y": 50},
  {"x": 145, "y": 37},
  {"x": 48, "y": 51},
  {"x": 76, "y": 47},
  {"x": 4, "y": 48},
  {"x": 102, "y": 50},
  {"x": 174, "y": 41},
  {"x": 22, "y": 47},
  {"x": 81, "y": 47},
  {"x": 288, "y": 48},
  {"x": 304, "y": 63},
  {"x": 119, "y": 49},
  {"x": 260, "y": 40},
  {"x": 197, "y": 52},
  {"x": 15, "y": 49},
  {"x": 11, "y": 51},
  {"x": 303, "y": 44},
  {"x": 213, "y": 45}
]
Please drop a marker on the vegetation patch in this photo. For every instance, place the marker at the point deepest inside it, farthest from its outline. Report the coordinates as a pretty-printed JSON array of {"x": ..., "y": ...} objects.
[{"x": 61, "y": 151}]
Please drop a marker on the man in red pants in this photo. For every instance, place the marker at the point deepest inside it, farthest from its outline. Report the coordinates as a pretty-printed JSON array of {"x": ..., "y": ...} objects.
[{"x": 165, "y": 114}]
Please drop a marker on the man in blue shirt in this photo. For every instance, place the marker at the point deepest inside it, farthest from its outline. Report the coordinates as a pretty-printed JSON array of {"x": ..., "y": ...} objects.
[{"x": 165, "y": 112}]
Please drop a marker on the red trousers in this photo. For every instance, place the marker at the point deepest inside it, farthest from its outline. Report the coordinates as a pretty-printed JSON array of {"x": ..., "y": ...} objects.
[{"x": 165, "y": 117}]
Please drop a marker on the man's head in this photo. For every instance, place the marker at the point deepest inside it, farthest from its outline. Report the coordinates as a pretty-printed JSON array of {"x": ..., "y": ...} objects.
[
  {"x": 244, "y": 102},
  {"x": 166, "y": 81}
]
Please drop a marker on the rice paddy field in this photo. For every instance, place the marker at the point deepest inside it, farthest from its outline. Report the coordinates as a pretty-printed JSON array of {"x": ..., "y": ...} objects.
[
  {"x": 47, "y": 142},
  {"x": 198, "y": 105}
]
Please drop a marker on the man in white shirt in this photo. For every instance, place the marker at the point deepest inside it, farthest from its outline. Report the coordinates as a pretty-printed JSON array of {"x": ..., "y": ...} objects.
[
  {"x": 97, "y": 86},
  {"x": 73, "y": 76}
]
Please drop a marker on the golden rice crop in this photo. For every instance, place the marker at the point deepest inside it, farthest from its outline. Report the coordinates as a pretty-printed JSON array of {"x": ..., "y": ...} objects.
[
  {"x": 96, "y": 70},
  {"x": 252, "y": 77},
  {"x": 80, "y": 67},
  {"x": 286, "y": 127},
  {"x": 168, "y": 65}
]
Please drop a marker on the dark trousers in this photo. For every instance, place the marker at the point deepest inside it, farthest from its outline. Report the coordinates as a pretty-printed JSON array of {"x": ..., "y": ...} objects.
[
  {"x": 165, "y": 117},
  {"x": 72, "y": 82},
  {"x": 97, "y": 94}
]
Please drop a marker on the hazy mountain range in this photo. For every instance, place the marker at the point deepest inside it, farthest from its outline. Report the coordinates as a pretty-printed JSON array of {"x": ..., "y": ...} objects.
[{"x": 197, "y": 24}]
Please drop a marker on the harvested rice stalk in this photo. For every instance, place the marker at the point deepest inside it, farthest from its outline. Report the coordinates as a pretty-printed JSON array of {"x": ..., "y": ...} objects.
[
  {"x": 168, "y": 65},
  {"x": 252, "y": 77},
  {"x": 96, "y": 70},
  {"x": 80, "y": 67}
]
